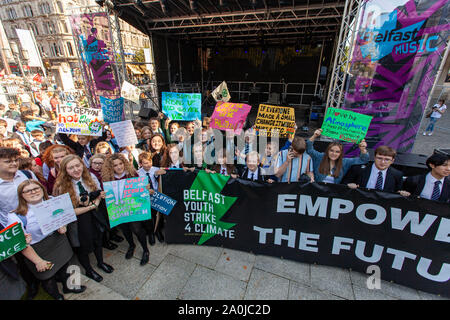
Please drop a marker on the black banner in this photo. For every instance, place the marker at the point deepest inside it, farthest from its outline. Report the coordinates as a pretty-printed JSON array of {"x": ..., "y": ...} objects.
[{"x": 408, "y": 239}]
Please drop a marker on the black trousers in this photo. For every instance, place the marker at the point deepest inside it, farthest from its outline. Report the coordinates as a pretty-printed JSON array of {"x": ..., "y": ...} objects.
[
  {"x": 138, "y": 229},
  {"x": 50, "y": 285},
  {"x": 83, "y": 256}
]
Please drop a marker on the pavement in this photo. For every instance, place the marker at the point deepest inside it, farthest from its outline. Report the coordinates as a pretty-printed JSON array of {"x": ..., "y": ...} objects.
[{"x": 188, "y": 272}]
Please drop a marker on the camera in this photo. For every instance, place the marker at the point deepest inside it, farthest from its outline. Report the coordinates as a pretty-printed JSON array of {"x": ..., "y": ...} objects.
[{"x": 91, "y": 195}]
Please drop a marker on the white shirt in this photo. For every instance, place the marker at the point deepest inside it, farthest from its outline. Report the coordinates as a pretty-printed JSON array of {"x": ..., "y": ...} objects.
[
  {"x": 142, "y": 173},
  {"x": 328, "y": 179},
  {"x": 32, "y": 226},
  {"x": 372, "y": 182},
  {"x": 75, "y": 184},
  {"x": 427, "y": 190},
  {"x": 436, "y": 114},
  {"x": 254, "y": 173},
  {"x": 223, "y": 170},
  {"x": 175, "y": 165},
  {"x": 9, "y": 200}
]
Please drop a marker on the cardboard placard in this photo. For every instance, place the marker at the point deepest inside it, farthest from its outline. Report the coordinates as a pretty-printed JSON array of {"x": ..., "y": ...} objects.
[
  {"x": 272, "y": 119},
  {"x": 79, "y": 120},
  {"x": 230, "y": 116},
  {"x": 182, "y": 106},
  {"x": 124, "y": 133},
  {"x": 345, "y": 125},
  {"x": 12, "y": 240},
  {"x": 112, "y": 109}
]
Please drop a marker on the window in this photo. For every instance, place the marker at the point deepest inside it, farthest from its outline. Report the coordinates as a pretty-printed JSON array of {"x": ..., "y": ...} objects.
[
  {"x": 11, "y": 13},
  {"x": 60, "y": 7},
  {"x": 49, "y": 27},
  {"x": 64, "y": 27},
  {"x": 27, "y": 11},
  {"x": 33, "y": 27},
  {"x": 69, "y": 49},
  {"x": 55, "y": 50},
  {"x": 44, "y": 8}
]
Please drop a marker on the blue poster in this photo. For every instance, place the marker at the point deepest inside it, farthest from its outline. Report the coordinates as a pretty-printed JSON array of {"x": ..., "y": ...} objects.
[
  {"x": 112, "y": 109},
  {"x": 162, "y": 203},
  {"x": 182, "y": 106}
]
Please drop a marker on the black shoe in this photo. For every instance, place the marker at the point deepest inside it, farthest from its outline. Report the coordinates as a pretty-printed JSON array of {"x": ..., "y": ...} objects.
[
  {"x": 109, "y": 245},
  {"x": 151, "y": 238},
  {"x": 79, "y": 290},
  {"x": 115, "y": 238},
  {"x": 145, "y": 258},
  {"x": 130, "y": 252},
  {"x": 32, "y": 290},
  {"x": 94, "y": 275},
  {"x": 105, "y": 267},
  {"x": 159, "y": 236}
]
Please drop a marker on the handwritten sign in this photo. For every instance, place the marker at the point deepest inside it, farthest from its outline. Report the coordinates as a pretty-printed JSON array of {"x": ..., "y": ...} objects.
[
  {"x": 130, "y": 92},
  {"x": 162, "y": 203},
  {"x": 124, "y": 133},
  {"x": 55, "y": 213},
  {"x": 272, "y": 119},
  {"x": 182, "y": 106},
  {"x": 127, "y": 200},
  {"x": 12, "y": 240},
  {"x": 112, "y": 109},
  {"x": 229, "y": 116},
  {"x": 345, "y": 125},
  {"x": 79, "y": 120}
]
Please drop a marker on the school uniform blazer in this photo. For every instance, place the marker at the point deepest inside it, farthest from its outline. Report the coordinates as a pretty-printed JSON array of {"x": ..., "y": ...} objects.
[
  {"x": 360, "y": 174},
  {"x": 415, "y": 184},
  {"x": 261, "y": 177},
  {"x": 77, "y": 147}
]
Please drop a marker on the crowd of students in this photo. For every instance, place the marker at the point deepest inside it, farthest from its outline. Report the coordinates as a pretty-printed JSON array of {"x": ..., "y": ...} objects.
[{"x": 36, "y": 163}]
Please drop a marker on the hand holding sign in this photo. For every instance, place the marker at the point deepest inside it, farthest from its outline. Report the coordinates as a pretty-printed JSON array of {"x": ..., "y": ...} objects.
[{"x": 345, "y": 125}]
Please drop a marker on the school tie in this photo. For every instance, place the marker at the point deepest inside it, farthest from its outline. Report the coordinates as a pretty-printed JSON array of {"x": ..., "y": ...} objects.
[
  {"x": 436, "y": 191},
  {"x": 379, "y": 184},
  {"x": 87, "y": 152},
  {"x": 223, "y": 171},
  {"x": 150, "y": 180},
  {"x": 252, "y": 177},
  {"x": 247, "y": 148},
  {"x": 81, "y": 188}
]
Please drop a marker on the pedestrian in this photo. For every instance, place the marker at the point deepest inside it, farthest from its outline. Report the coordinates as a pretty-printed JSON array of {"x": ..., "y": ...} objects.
[{"x": 436, "y": 113}]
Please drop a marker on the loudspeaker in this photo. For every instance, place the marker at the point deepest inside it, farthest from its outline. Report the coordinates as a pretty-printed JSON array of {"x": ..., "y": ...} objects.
[{"x": 145, "y": 113}]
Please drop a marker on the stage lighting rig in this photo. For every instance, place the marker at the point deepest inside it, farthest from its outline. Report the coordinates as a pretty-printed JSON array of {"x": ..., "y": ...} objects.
[
  {"x": 193, "y": 5},
  {"x": 140, "y": 7}
]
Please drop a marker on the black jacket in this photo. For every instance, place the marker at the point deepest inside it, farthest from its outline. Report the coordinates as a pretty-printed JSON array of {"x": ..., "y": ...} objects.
[
  {"x": 360, "y": 174},
  {"x": 261, "y": 177},
  {"x": 415, "y": 185},
  {"x": 77, "y": 147}
]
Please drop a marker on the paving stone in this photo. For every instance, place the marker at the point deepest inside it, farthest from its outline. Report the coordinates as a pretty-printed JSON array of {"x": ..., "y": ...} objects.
[
  {"x": 206, "y": 284},
  {"x": 167, "y": 280},
  {"x": 367, "y": 294},
  {"x": 430, "y": 296},
  {"x": 299, "y": 291},
  {"x": 202, "y": 255},
  {"x": 266, "y": 286},
  {"x": 295, "y": 271},
  {"x": 333, "y": 280},
  {"x": 237, "y": 264},
  {"x": 94, "y": 291}
]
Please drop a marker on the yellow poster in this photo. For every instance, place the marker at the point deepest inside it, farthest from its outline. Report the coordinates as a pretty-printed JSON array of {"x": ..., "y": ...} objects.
[{"x": 275, "y": 118}]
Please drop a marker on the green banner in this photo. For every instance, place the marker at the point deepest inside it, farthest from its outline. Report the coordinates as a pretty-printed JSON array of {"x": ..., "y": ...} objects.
[
  {"x": 127, "y": 200},
  {"x": 12, "y": 240},
  {"x": 345, "y": 125}
]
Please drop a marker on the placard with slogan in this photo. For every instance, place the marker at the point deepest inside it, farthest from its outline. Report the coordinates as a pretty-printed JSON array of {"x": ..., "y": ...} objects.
[
  {"x": 112, "y": 109},
  {"x": 12, "y": 240},
  {"x": 229, "y": 116},
  {"x": 182, "y": 106},
  {"x": 275, "y": 118},
  {"x": 345, "y": 125},
  {"x": 79, "y": 120},
  {"x": 127, "y": 200},
  {"x": 162, "y": 203},
  {"x": 124, "y": 133}
]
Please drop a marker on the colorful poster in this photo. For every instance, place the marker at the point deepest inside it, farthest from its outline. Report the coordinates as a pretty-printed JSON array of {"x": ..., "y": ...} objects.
[
  {"x": 78, "y": 120},
  {"x": 124, "y": 133},
  {"x": 275, "y": 118},
  {"x": 162, "y": 203},
  {"x": 55, "y": 213},
  {"x": 12, "y": 240},
  {"x": 127, "y": 200},
  {"x": 398, "y": 50},
  {"x": 130, "y": 92},
  {"x": 112, "y": 109},
  {"x": 345, "y": 125},
  {"x": 182, "y": 106},
  {"x": 230, "y": 116}
]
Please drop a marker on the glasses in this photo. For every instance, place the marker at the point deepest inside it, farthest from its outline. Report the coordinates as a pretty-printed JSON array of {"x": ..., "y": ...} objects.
[
  {"x": 30, "y": 191},
  {"x": 383, "y": 159}
]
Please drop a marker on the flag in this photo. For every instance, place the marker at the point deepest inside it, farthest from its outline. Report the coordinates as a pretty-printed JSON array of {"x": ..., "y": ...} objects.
[
  {"x": 130, "y": 92},
  {"x": 37, "y": 78},
  {"x": 221, "y": 93}
]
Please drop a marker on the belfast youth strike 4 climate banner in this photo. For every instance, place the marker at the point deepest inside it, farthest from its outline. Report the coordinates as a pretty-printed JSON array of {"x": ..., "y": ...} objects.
[
  {"x": 396, "y": 57},
  {"x": 408, "y": 239}
]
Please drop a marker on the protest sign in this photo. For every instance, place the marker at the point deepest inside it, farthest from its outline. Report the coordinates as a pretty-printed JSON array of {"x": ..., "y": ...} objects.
[
  {"x": 182, "y": 106},
  {"x": 112, "y": 109},
  {"x": 327, "y": 224},
  {"x": 79, "y": 120},
  {"x": 12, "y": 240},
  {"x": 221, "y": 93},
  {"x": 130, "y": 92},
  {"x": 345, "y": 125},
  {"x": 272, "y": 119},
  {"x": 124, "y": 133},
  {"x": 230, "y": 116},
  {"x": 127, "y": 200},
  {"x": 162, "y": 203},
  {"x": 54, "y": 213}
]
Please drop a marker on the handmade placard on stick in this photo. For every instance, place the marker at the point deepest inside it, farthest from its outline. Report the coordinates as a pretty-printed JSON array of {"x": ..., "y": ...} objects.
[
  {"x": 182, "y": 106},
  {"x": 112, "y": 109},
  {"x": 127, "y": 200},
  {"x": 272, "y": 119},
  {"x": 124, "y": 133},
  {"x": 12, "y": 240},
  {"x": 162, "y": 203},
  {"x": 345, "y": 125},
  {"x": 55, "y": 213},
  {"x": 79, "y": 120},
  {"x": 229, "y": 116}
]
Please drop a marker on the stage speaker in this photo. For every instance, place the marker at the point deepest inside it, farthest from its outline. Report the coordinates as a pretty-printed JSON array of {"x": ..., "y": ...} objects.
[{"x": 145, "y": 113}]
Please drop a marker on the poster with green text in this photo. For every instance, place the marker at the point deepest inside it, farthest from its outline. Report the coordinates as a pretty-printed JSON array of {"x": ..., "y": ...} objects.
[{"x": 345, "y": 125}]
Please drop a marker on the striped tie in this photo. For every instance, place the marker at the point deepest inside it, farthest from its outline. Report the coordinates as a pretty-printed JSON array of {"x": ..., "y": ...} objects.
[
  {"x": 436, "y": 191},
  {"x": 379, "y": 184}
]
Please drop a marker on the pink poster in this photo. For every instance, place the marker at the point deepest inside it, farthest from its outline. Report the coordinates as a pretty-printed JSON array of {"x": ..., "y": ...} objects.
[{"x": 230, "y": 116}]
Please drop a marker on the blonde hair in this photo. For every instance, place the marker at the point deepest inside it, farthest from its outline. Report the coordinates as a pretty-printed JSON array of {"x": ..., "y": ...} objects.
[
  {"x": 101, "y": 145},
  {"x": 22, "y": 208},
  {"x": 108, "y": 167}
]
